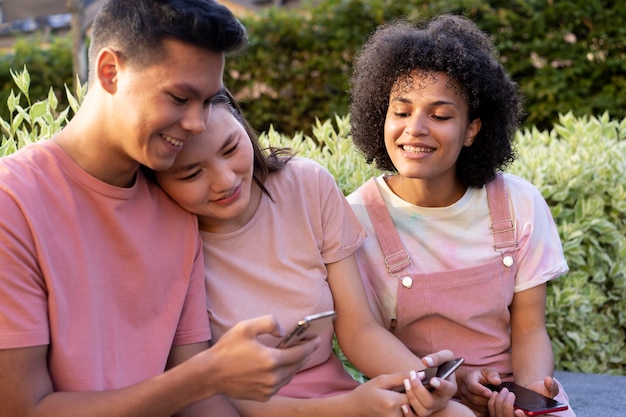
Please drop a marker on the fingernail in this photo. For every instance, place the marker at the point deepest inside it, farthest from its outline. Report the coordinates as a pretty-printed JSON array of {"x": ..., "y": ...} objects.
[
  {"x": 413, "y": 375},
  {"x": 405, "y": 409},
  {"x": 421, "y": 375},
  {"x": 407, "y": 385},
  {"x": 434, "y": 382},
  {"x": 429, "y": 360}
]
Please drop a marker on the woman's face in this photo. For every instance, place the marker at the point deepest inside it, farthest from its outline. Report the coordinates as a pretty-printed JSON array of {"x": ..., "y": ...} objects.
[
  {"x": 212, "y": 175},
  {"x": 427, "y": 126}
]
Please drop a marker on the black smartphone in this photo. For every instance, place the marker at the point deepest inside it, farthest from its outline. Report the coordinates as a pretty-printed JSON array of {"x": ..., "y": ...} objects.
[
  {"x": 530, "y": 402},
  {"x": 307, "y": 328},
  {"x": 442, "y": 371}
]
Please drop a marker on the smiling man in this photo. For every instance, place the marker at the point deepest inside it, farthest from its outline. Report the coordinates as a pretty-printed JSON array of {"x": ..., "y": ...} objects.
[{"x": 102, "y": 308}]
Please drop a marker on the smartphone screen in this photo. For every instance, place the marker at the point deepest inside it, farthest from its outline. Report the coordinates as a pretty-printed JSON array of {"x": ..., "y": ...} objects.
[
  {"x": 307, "y": 328},
  {"x": 532, "y": 403}
]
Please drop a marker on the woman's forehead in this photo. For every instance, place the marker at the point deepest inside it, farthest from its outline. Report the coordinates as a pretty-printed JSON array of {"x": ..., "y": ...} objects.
[{"x": 419, "y": 80}]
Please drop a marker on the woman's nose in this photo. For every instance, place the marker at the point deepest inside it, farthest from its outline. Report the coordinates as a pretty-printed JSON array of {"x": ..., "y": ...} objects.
[
  {"x": 222, "y": 179},
  {"x": 416, "y": 125}
]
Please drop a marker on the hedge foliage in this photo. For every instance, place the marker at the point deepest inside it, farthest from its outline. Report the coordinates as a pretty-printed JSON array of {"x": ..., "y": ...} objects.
[
  {"x": 566, "y": 56},
  {"x": 49, "y": 60},
  {"x": 579, "y": 166}
]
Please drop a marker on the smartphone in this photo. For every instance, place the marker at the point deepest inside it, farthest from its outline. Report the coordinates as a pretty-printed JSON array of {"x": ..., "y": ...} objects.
[
  {"x": 530, "y": 402},
  {"x": 307, "y": 328},
  {"x": 442, "y": 371}
]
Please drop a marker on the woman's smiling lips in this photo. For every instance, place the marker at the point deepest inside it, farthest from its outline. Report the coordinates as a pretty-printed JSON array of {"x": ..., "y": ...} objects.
[
  {"x": 229, "y": 198},
  {"x": 416, "y": 151}
]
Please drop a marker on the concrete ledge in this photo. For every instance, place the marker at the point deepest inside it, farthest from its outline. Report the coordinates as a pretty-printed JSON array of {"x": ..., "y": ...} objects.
[{"x": 593, "y": 395}]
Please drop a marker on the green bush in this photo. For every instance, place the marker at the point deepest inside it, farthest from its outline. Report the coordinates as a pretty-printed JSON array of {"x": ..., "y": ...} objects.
[
  {"x": 566, "y": 56},
  {"x": 35, "y": 120},
  {"x": 579, "y": 166},
  {"x": 49, "y": 61},
  {"x": 296, "y": 66}
]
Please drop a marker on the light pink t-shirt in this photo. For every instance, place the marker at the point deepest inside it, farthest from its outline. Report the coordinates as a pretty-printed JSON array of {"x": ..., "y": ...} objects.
[
  {"x": 108, "y": 277},
  {"x": 276, "y": 264}
]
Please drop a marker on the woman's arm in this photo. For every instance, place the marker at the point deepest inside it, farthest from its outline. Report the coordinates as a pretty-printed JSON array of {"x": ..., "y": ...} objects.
[
  {"x": 372, "y": 348},
  {"x": 360, "y": 336},
  {"x": 374, "y": 398},
  {"x": 531, "y": 350}
]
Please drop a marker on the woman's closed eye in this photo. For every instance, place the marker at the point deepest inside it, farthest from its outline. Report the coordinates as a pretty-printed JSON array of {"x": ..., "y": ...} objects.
[
  {"x": 190, "y": 176},
  {"x": 231, "y": 149}
]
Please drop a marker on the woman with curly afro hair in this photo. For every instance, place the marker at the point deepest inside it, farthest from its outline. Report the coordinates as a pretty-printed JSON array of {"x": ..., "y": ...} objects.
[{"x": 458, "y": 254}]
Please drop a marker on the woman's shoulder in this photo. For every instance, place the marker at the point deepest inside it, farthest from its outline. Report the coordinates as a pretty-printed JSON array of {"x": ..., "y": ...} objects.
[
  {"x": 306, "y": 169},
  {"x": 302, "y": 174},
  {"x": 522, "y": 191},
  {"x": 306, "y": 164}
]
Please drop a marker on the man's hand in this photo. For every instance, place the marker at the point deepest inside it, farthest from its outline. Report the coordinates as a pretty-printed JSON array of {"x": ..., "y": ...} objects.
[{"x": 242, "y": 367}]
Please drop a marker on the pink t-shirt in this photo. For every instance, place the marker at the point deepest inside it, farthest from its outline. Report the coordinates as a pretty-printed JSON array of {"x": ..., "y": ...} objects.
[
  {"x": 276, "y": 264},
  {"x": 110, "y": 278}
]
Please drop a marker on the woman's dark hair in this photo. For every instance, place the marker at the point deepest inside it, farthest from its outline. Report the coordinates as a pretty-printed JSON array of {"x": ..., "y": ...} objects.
[
  {"x": 447, "y": 44},
  {"x": 266, "y": 160}
]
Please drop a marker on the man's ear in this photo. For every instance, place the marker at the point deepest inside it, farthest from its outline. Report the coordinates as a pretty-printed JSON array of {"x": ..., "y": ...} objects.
[
  {"x": 472, "y": 130},
  {"x": 108, "y": 65}
]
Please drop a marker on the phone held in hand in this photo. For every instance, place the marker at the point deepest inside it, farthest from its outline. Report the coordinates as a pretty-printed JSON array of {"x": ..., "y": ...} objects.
[
  {"x": 308, "y": 328},
  {"x": 443, "y": 371},
  {"x": 530, "y": 402}
]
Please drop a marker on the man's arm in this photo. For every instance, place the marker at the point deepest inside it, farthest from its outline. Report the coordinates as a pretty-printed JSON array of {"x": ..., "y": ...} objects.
[
  {"x": 26, "y": 390},
  {"x": 218, "y": 405},
  {"x": 238, "y": 366}
]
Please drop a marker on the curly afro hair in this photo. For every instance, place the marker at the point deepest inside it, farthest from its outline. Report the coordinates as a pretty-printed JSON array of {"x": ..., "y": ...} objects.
[{"x": 447, "y": 44}]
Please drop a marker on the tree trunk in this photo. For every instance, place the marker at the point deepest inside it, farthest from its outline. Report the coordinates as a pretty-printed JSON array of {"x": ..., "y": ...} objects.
[{"x": 79, "y": 49}]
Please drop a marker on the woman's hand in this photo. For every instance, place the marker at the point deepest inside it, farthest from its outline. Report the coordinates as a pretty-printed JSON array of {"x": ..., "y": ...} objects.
[
  {"x": 472, "y": 390},
  {"x": 378, "y": 397}
]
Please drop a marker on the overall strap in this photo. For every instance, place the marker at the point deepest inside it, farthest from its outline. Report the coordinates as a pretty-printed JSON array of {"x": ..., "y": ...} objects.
[
  {"x": 396, "y": 257},
  {"x": 502, "y": 224}
]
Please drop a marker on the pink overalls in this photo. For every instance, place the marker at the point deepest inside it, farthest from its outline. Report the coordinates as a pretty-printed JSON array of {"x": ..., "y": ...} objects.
[{"x": 465, "y": 310}]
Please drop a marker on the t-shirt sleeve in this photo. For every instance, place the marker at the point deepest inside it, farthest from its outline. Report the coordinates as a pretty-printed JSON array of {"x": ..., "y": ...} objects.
[
  {"x": 343, "y": 233},
  {"x": 194, "y": 322},
  {"x": 541, "y": 257},
  {"x": 23, "y": 317}
]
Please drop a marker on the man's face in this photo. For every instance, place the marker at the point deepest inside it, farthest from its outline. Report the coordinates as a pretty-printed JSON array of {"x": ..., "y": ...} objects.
[{"x": 159, "y": 107}]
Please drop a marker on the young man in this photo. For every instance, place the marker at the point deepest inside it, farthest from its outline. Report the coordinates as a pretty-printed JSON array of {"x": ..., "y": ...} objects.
[{"x": 102, "y": 279}]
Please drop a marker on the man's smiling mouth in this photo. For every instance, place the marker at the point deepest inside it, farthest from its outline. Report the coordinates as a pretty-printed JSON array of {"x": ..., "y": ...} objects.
[{"x": 173, "y": 141}]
